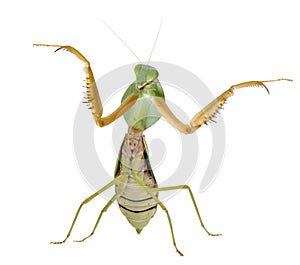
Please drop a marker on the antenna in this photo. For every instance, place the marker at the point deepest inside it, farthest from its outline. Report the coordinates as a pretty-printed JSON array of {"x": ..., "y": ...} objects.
[
  {"x": 120, "y": 39},
  {"x": 154, "y": 44}
]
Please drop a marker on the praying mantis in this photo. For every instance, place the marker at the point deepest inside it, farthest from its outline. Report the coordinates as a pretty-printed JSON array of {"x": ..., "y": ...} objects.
[{"x": 142, "y": 105}]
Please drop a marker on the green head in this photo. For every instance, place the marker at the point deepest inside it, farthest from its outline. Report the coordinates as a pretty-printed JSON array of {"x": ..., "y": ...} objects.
[
  {"x": 143, "y": 113},
  {"x": 145, "y": 75}
]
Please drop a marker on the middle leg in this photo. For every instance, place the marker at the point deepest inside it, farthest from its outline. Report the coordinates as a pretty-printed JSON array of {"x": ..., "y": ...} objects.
[
  {"x": 115, "y": 197},
  {"x": 186, "y": 187}
]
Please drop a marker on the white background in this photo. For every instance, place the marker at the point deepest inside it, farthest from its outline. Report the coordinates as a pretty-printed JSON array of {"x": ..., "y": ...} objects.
[{"x": 255, "y": 200}]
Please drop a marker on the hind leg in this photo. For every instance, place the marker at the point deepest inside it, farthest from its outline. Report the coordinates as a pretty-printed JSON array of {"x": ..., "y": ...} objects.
[
  {"x": 115, "y": 197},
  {"x": 81, "y": 205},
  {"x": 152, "y": 194}
]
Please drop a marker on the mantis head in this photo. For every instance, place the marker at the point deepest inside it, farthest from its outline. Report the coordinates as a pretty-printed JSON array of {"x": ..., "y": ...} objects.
[{"x": 145, "y": 75}]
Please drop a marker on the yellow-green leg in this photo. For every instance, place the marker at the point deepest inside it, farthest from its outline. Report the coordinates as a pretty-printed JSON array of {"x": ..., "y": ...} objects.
[
  {"x": 152, "y": 194},
  {"x": 186, "y": 187},
  {"x": 110, "y": 184},
  {"x": 115, "y": 197}
]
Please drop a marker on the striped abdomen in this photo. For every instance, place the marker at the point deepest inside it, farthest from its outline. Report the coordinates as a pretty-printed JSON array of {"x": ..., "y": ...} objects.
[{"x": 135, "y": 203}]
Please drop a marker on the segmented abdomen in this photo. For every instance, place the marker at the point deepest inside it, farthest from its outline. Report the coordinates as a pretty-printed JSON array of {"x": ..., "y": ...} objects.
[{"x": 135, "y": 203}]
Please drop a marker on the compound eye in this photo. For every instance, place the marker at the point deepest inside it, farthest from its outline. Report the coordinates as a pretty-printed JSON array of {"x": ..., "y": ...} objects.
[
  {"x": 151, "y": 75},
  {"x": 137, "y": 69}
]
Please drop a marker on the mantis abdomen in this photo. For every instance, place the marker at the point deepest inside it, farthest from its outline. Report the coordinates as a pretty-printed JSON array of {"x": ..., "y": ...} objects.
[{"x": 134, "y": 201}]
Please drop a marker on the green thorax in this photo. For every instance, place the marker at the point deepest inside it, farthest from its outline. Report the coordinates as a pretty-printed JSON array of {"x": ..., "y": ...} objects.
[{"x": 143, "y": 113}]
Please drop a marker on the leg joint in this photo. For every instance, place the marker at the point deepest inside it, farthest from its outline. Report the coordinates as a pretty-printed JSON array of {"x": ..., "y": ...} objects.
[{"x": 186, "y": 187}]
